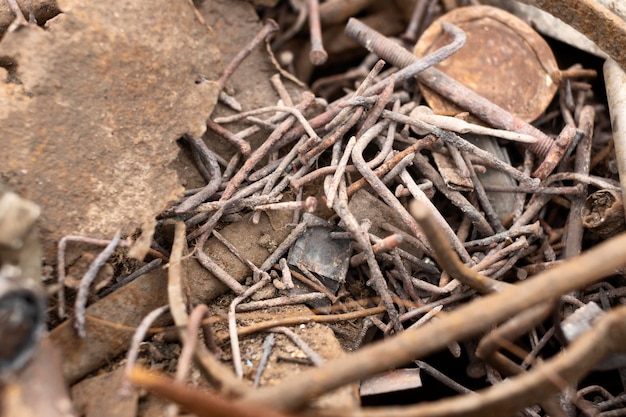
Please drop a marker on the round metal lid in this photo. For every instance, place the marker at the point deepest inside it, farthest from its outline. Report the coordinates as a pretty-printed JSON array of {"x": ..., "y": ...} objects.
[{"x": 503, "y": 59}]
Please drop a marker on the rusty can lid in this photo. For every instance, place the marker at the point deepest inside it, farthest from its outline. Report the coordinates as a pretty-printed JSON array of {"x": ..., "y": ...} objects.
[{"x": 503, "y": 59}]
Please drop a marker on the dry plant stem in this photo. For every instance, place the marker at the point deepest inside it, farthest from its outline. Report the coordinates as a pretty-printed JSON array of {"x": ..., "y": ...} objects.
[
  {"x": 387, "y": 146},
  {"x": 202, "y": 170},
  {"x": 561, "y": 190},
  {"x": 242, "y": 145},
  {"x": 599, "y": 24},
  {"x": 313, "y": 356},
  {"x": 237, "y": 204},
  {"x": 270, "y": 27},
  {"x": 478, "y": 220},
  {"x": 232, "y": 324},
  {"x": 15, "y": 8},
  {"x": 463, "y": 322},
  {"x": 446, "y": 258},
  {"x": 249, "y": 131},
  {"x": 201, "y": 403},
  {"x": 318, "y": 55},
  {"x": 615, "y": 79},
  {"x": 213, "y": 369},
  {"x": 85, "y": 282},
  {"x": 574, "y": 237},
  {"x": 256, "y": 156},
  {"x": 214, "y": 170},
  {"x": 447, "y": 86},
  {"x": 307, "y": 278},
  {"x": 133, "y": 350}
]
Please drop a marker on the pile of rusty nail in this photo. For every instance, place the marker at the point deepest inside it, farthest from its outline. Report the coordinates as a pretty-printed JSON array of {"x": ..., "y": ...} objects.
[{"x": 431, "y": 208}]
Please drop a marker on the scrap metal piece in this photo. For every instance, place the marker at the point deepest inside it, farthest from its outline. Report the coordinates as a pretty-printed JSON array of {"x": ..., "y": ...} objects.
[
  {"x": 549, "y": 25},
  {"x": 503, "y": 59},
  {"x": 503, "y": 203},
  {"x": 603, "y": 213},
  {"x": 582, "y": 320},
  {"x": 451, "y": 175},
  {"x": 328, "y": 258},
  {"x": 397, "y": 380}
]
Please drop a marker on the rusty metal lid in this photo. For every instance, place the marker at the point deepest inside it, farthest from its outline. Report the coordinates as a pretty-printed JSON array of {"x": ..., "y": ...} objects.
[{"x": 504, "y": 60}]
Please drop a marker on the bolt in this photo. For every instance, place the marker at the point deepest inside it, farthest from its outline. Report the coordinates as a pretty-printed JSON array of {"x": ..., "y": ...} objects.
[{"x": 446, "y": 86}]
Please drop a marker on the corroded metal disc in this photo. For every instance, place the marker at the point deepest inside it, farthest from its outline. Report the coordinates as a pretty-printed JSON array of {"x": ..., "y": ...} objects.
[{"x": 503, "y": 59}]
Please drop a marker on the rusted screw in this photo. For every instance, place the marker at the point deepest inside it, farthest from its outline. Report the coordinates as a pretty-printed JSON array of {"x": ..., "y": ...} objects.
[{"x": 309, "y": 205}]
